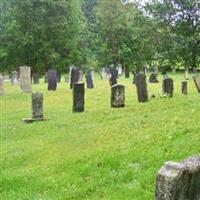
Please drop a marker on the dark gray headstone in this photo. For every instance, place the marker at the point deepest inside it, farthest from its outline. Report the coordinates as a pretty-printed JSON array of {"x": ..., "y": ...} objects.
[
  {"x": 74, "y": 76},
  {"x": 153, "y": 78},
  {"x": 89, "y": 79},
  {"x": 141, "y": 85},
  {"x": 37, "y": 105},
  {"x": 78, "y": 97},
  {"x": 197, "y": 82},
  {"x": 184, "y": 87},
  {"x": 1, "y": 85},
  {"x": 25, "y": 78},
  {"x": 126, "y": 72},
  {"x": 168, "y": 87},
  {"x": 179, "y": 181},
  {"x": 113, "y": 76},
  {"x": 52, "y": 79},
  {"x": 117, "y": 96},
  {"x": 36, "y": 78}
]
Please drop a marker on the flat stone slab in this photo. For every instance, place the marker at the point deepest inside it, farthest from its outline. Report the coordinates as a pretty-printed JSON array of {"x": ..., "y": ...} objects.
[{"x": 31, "y": 120}]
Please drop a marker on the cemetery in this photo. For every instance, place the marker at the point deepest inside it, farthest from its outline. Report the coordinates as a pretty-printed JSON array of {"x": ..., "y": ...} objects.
[{"x": 81, "y": 120}]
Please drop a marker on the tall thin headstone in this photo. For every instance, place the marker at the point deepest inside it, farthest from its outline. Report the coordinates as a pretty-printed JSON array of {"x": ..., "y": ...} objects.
[
  {"x": 36, "y": 78},
  {"x": 184, "y": 87},
  {"x": 117, "y": 96},
  {"x": 1, "y": 85},
  {"x": 168, "y": 86},
  {"x": 37, "y": 105},
  {"x": 25, "y": 78},
  {"x": 78, "y": 97},
  {"x": 141, "y": 86},
  {"x": 197, "y": 82},
  {"x": 113, "y": 76},
  {"x": 74, "y": 76},
  {"x": 89, "y": 79},
  {"x": 52, "y": 79}
]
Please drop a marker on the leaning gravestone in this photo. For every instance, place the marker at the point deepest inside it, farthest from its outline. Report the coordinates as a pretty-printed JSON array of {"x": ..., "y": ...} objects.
[
  {"x": 78, "y": 97},
  {"x": 153, "y": 78},
  {"x": 141, "y": 86},
  {"x": 1, "y": 85},
  {"x": 74, "y": 76},
  {"x": 179, "y": 181},
  {"x": 14, "y": 78},
  {"x": 36, "y": 78},
  {"x": 113, "y": 76},
  {"x": 37, "y": 108},
  {"x": 184, "y": 87},
  {"x": 89, "y": 80},
  {"x": 117, "y": 96},
  {"x": 52, "y": 79},
  {"x": 197, "y": 82},
  {"x": 25, "y": 78},
  {"x": 168, "y": 86}
]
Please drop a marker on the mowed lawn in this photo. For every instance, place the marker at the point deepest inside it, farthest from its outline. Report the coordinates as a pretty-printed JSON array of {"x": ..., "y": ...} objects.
[{"x": 103, "y": 153}]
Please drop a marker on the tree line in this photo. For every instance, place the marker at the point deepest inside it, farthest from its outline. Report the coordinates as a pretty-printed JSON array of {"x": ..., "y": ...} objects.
[{"x": 47, "y": 34}]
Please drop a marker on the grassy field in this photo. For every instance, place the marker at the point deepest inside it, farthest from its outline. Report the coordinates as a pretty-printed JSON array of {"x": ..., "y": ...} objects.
[{"x": 103, "y": 153}]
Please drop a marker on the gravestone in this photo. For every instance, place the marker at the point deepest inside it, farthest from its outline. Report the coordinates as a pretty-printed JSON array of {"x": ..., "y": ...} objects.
[
  {"x": 119, "y": 69},
  {"x": 81, "y": 74},
  {"x": 184, "y": 87},
  {"x": 153, "y": 78},
  {"x": 117, "y": 96},
  {"x": 179, "y": 181},
  {"x": 14, "y": 78},
  {"x": 113, "y": 76},
  {"x": 36, "y": 78},
  {"x": 37, "y": 108},
  {"x": 25, "y": 78},
  {"x": 74, "y": 76},
  {"x": 78, "y": 97},
  {"x": 168, "y": 86},
  {"x": 126, "y": 72},
  {"x": 197, "y": 82},
  {"x": 37, "y": 105},
  {"x": 174, "y": 70},
  {"x": 141, "y": 86},
  {"x": 89, "y": 79},
  {"x": 52, "y": 79},
  {"x": 1, "y": 85},
  {"x": 155, "y": 70},
  {"x": 186, "y": 74},
  {"x": 104, "y": 74}
]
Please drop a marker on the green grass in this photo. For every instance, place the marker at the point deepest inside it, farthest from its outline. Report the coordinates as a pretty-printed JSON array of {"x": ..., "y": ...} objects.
[{"x": 102, "y": 153}]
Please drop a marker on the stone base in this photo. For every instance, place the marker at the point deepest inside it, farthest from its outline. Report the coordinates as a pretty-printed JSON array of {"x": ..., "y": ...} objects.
[{"x": 31, "y": 120}]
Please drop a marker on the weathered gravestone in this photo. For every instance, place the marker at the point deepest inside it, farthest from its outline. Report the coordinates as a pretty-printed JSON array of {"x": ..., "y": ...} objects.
[
  {"x": 119, "y": 69},
  {"x": 126, "y": 70},
  {"x": 168, "y": 86},
  {"x": 52, "y": 79},
  {"x": 117, "y": 96},
  {"x": 197, "y": 82},
  {"x": 37, "y": 108},
  {"x": 179, "y": 181},
  {"x": 89, "y": 79},
  {"x": 78, "y": 97},
  {"x": 25, "y": 78},
  {"x": 184, "y": 87},
  {"x": 153, "y": 78},
  {"x": 141, "y": 86},
  {"x": 1, "y": 85},
  {"x": 14, "y": 78},
  {"x": 186, "y": 74},
  {"x": 36, "y": 78},
  {"x": 113, "y": 76},
  {"x": 74, "y": 76},
  {"x": 156, "y": 70}
]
